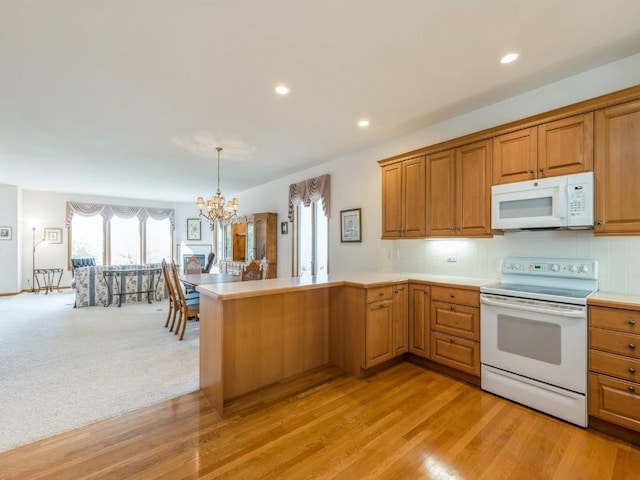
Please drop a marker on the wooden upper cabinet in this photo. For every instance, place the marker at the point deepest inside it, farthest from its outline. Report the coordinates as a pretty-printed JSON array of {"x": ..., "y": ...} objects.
[
  {"x": 566, "y": 146},
  {"x": 617, "y": 169},
  {"x": 515, "y": 156},
  {"x": 458, "y": 190},
  {"x": 473, "y": 189},
  {"x": 555, "y": 148},
  {"x": 441, "y": 220},
  {"x": 403, "y": 199},
  {"x": 392, "y": 200}
]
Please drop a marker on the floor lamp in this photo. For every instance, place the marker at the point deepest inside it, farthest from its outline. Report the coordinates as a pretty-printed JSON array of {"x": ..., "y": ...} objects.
[{"x": 33, "y": 260}]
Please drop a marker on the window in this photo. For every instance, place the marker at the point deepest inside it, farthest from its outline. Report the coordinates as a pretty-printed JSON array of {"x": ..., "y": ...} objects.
[
  {"x": 87, "y": 239},
  {"x": 158, "y": 240},
  {"x": 312, "y": 240},
  {"x": 125, "y": 241},
  {"x": 131, "y": 235},
  {"x": 309, "y": 212}
]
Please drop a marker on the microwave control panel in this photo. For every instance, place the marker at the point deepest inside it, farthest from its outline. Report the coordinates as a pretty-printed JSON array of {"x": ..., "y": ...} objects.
[{"x": 577, "y": 201}]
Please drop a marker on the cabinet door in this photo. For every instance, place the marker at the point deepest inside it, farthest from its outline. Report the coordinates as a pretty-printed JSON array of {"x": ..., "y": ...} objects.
[
  {"x": 379, "y": 333},
  {"x": 515, "y": 156},
  {"x": 441, "y": 194},
  {"x": 392, "y": 201},
  {"x": 566, "y": 146},
  {"x": 419, "y": 320},
  {"x": 617, "y": 169},
  {"x": 400, "y": 319},
  {"x": 616, "y": 401},
  {"x": 414, "y": 198},
  {"x": 473, "y": 189}
]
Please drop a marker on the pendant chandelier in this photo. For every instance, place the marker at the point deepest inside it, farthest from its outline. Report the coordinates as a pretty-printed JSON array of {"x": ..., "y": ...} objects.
[{"x": 217, "y": 211}]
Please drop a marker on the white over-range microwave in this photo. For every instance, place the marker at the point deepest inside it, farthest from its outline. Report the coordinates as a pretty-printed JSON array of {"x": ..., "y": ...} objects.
[{"x": 564, "y": 202}]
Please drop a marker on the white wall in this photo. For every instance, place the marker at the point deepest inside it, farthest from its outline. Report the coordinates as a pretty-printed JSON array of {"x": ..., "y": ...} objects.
[
  {"x": 10, "y": 249},
  {"x": 356, "y": 182}
]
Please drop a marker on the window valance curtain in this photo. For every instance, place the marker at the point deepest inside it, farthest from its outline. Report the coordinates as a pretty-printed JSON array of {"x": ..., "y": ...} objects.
[
  {"x": 311, "y": 190},
  {"x": 122, "y": 211}
]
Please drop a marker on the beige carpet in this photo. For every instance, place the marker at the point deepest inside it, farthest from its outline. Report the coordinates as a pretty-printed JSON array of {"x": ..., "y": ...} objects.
[{"x": 62, "y": 368}]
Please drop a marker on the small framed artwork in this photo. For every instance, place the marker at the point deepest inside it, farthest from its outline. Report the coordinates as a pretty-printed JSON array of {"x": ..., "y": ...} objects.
[
  {"x": 284, "y": 228},
  {"x": 5, "y": 233},
  {"x": 53, "y": 235},
  {"x": 194, "y": 229},
  {"x": 350, "y": 225}
]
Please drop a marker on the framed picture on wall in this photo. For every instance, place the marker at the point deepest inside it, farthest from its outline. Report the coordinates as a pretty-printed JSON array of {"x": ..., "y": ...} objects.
[
  {"x": 194, "y": 229},
  {"x": 5, "y": 233},
  {"x": 350, "y": 225},
  {"x": 53, "y": 235}
]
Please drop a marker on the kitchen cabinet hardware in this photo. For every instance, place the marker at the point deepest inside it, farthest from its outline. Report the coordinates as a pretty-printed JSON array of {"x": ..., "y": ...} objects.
[
  {"x": 632, "y": 346},
  {"x": 632, "y": 370},
  {"x": 632, "y": 321},
  {"x": 632, "y": 388}
]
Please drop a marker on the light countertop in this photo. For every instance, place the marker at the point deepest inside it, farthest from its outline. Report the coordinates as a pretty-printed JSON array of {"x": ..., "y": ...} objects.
[
  {"x": 228, "y": 291},
  {"x": 612, "y": 299}
]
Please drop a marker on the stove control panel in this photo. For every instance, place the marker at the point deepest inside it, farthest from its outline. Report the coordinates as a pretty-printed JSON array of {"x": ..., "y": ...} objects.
[{"x": 551, "y": 267}]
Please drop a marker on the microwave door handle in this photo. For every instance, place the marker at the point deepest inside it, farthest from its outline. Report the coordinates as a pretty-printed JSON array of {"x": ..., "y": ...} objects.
[
  {"x": 533, "y": 308},
  {"x": 562, "y": 201}
]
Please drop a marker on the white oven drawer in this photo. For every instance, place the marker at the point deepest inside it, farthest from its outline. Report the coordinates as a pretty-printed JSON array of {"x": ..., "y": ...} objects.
[{"x": 550, "y": 347}]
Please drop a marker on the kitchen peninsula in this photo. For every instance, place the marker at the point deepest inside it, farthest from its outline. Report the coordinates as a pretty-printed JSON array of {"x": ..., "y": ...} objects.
[{"x": 253, "y": 334}]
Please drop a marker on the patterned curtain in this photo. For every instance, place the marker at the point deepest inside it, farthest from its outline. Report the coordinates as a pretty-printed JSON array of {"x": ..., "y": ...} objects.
[
  {"x": 311, "y": 190},
  {"x": 122, "y": 211}
]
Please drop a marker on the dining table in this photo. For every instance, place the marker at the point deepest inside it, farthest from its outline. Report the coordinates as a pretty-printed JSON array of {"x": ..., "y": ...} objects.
[{"x": 192, "y": 280}]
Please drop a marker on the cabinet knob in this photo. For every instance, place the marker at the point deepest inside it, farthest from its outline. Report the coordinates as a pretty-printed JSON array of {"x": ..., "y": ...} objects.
[
  {"x": 632, "y": 346},
  {"x": 452, "y": 307},
  {"x": 451, "y": 340},
  {"x": 381, "y": 294},
  {"x": 530, "y": 172},
  {"x": 632, "y": 321},
  {"x": 542, "y": 170},
  {"x": 632, "y": 370},
  {"x": 632, "y": 389},
  {"x": 452, "y": 295},
  {"x": 600, "y": 222}
]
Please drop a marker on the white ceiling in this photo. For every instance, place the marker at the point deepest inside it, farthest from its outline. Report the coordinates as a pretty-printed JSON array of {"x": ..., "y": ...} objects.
[{"x": 97, "y": 95}]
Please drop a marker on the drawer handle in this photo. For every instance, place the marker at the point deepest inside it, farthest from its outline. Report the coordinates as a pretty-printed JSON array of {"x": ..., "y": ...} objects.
[
  {"x": 632, "y": 321},
  {"x": 632, "y": 346},
  {"x": 452, "y": 295},
  {"x": 452, "y": 307},
  {"x": 632, "y": 389},
  {"x": 381, "y": 294},
  {"x": 632, "y": 370},
  {"x": 451, "y": 340}
]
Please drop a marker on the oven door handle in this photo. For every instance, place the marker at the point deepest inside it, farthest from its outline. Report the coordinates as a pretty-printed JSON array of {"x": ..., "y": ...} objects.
[{"x": 534, "y": 308}]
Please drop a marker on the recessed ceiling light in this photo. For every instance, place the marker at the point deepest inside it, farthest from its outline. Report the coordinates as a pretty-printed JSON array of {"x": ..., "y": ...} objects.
[
  {"x": 509, "y": 57},
  {"x": 282, "y": 89},
  {"x": 363, "y": 123}
]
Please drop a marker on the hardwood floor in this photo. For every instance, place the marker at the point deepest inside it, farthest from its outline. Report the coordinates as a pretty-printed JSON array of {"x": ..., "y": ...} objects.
[{"x": 405, "y": 422}]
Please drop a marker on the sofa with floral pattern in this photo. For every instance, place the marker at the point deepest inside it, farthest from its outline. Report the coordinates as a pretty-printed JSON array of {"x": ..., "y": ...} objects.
[{"x": 92, "y": 289}]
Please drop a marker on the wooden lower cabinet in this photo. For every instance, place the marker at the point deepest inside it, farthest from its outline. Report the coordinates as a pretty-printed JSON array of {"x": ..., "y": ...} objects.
[
  {"x": 400, "y": 319},
  {"x": 616, "y": 401},
  {"x": 456, "y": 352},
  {"x": 379, "y": 333},
  {"x": 614, "y": 365},
  {"x": 455, "y": 328},
  {"x": 419, "y": 328}
]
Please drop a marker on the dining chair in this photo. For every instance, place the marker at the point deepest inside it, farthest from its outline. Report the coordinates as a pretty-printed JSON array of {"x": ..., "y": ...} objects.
[
  {"x": 252, "y": 271},
  {"x": 192, "y": 265},
  {"x": 188, "y": 307},
  {"x": 174, "y": 307},
  {"x": 210, "y": 259}
]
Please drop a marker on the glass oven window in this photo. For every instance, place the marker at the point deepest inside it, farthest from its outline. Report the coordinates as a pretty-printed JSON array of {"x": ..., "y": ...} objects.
[
  {"x": 528, "y": 338},
  {"x": 529, "y": 208}
]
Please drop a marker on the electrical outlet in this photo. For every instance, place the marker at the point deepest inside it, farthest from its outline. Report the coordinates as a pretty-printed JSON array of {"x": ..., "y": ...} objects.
[{"x": 452, "y": 259}]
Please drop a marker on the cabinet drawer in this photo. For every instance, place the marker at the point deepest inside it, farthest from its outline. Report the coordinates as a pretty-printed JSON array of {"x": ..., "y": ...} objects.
[
  {"x": 380, "y": 293},
  {"x": 615, "y": 319},
  {"x": 614, "y": 400},
  {"x": 458, "y": 320},
  {"x": 615, "y": 365},
  {"x": 456, "y": 295},
  {"x": 615, "y": 342},
  {"x": 456, "y": 352}
]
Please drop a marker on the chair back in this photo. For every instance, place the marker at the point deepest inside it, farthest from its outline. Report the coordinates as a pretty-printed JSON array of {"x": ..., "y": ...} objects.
[
  {"x": 168, "y": 279},
  {"x": 252, "y": 272},
  {"x": 210, "y": 259},
  {"x": 193, "y": 265}
]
